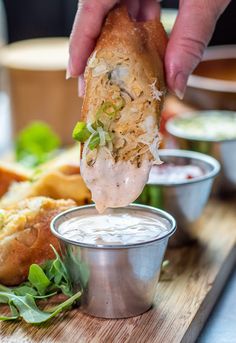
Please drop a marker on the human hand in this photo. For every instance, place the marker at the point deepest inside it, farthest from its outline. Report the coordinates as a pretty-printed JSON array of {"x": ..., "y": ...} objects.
[{"x": 192, "y": 31}]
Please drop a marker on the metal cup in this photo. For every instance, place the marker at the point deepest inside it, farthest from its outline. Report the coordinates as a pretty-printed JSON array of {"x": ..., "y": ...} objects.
[
  {"x": 118, "y": 281},
  {"x": 185, "y": 199},
  {"x": 224, "y": 150}
]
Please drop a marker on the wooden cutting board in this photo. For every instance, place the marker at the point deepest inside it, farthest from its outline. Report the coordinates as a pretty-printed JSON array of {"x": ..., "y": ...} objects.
[{"x": 182, "y": 304}]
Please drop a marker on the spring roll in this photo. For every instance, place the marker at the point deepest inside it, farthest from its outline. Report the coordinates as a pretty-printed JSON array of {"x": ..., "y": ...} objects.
[{"x": 124, "y": 94}]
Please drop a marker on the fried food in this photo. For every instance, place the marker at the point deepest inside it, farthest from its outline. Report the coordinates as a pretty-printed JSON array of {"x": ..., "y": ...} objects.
[
  {"x": 25, "y": 236},
  {"x": 57, "y": 179},
  {"x": 124, "y": 94},
  {"x": 9, "y": 173}
]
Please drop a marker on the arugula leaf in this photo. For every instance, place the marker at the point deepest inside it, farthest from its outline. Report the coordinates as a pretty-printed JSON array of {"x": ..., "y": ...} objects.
[
  {"x": 35, "y": 144},
  {"x": 28, "y": 310},
  {"x": 38, "y": 279},
  {"x": 24, "y": 289},
  {"x": 58, "y": 274},
  {"x": 43, "y": 282},
  {"x": 14, "y": 313},
  {"x": 4, "y": 289},
  {"x": 3, "y": 298}
]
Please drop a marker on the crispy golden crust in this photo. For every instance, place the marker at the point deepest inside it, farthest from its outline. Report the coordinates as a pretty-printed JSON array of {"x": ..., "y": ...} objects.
[
  {"x": 142, "y": 42},
  {"x": 8, "y": 174},
  {"x": 25, "y": 236},
  {"x": 62, "y": 182}
]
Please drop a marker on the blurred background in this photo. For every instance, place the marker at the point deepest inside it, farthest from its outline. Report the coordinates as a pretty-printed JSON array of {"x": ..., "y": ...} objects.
[
  {"x": 33, "y": 59},
  {"x": 30, "y": 19},
  {"x": 32, "y": 72}
]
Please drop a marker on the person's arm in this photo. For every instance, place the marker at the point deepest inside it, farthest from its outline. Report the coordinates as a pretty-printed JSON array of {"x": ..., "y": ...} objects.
[{"x": 191, "y": 33}]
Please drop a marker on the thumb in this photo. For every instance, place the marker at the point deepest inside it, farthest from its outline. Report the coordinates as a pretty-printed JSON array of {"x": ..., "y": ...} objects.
[
  {"x": 192, "y": 31},
  {"x": 86, "y": 28}
]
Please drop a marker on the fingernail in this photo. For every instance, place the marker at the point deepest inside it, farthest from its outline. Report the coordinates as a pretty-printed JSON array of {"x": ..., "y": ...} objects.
[
  {"x": 81, "y": 86},
  {"x": 179, "y": 94},
  {"x": 68, "y": 70},
  {"x": 68, "y": 74},
  {"x": 180, "y": 85}
]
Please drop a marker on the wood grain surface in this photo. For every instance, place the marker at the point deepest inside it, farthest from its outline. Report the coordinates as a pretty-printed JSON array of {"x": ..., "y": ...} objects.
[{"x": 182, "y": 304}]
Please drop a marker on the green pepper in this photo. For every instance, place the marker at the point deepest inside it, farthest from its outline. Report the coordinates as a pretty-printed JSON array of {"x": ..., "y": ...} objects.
[{"x": 81, "y": 132}]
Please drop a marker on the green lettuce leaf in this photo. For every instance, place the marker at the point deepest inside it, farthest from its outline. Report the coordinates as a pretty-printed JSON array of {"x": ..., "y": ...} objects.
[{"x": 35, "y": 144}]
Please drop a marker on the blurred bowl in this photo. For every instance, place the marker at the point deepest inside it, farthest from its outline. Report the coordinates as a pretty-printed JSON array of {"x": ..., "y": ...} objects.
[
  {"x": 221, "y": 148},
  {"x": 185, "y": 199},
  {"x": 37, "y": 86},
  {"x": 168, "y": 18},
  {"x": 213, "y": 83}
]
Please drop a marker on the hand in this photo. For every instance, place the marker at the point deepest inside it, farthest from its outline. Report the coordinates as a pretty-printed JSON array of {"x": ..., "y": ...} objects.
[{"x": 192, "y": 31}]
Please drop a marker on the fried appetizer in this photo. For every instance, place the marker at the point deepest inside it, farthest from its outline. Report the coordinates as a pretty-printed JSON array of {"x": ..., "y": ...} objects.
[
  {"x": 25, "y": 236},
  {"x": 62, "y": 182},
  {"x": 10, "y": 172},
  {"x": 123, "y": 98}
]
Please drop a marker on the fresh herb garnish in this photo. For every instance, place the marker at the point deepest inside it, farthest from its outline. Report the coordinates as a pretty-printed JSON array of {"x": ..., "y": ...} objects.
[
  {"x": 43, "y": 282},
  {"x": 35, "y": 144},
  {"x": 80, "y": 132},
  {"x": 119, "y": 103},
  {"x": 25, "y": 307},
  {"x": 108, "y": 108},
  {"x": 94, "y": 142}
]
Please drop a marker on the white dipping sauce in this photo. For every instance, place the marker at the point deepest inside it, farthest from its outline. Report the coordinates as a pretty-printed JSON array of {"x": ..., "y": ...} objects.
[
  {"x": 114, "y": 184},
  {"x": 114, "y": 228}
]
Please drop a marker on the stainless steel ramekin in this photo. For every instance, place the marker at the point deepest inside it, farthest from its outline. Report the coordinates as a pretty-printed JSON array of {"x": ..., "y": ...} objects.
[
  {"x": 224, "y": 150},
  {"x": 118, "y": 281},
  {"x": 185, "y": 199}
]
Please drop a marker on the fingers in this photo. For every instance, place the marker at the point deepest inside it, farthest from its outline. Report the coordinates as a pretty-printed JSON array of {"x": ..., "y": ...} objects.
[
  {"x": 81, "y": 85},
  {"x": 191, "y": 33},
  {"x": 133, "y": 7},
  {"x": 86, "y": 29},
  {"x": 149, "y": 9}
]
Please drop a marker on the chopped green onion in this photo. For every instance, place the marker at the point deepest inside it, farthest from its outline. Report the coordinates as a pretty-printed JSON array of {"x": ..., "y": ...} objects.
[
  {"x": 1, "y": 219},
  {"x": 94, "y": 142},
  {"x": 120, "y": 103},
  {"x": 109, "y": 108},
  {"x": 107, "y": 137},
  {"x": 98, "y": 114},
  {"x": 81, "y": 132},
  {"x": 96, "y": 124}
]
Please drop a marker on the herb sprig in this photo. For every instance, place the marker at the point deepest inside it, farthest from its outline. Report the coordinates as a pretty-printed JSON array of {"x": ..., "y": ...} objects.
[{"x": 43, "y": 282}]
